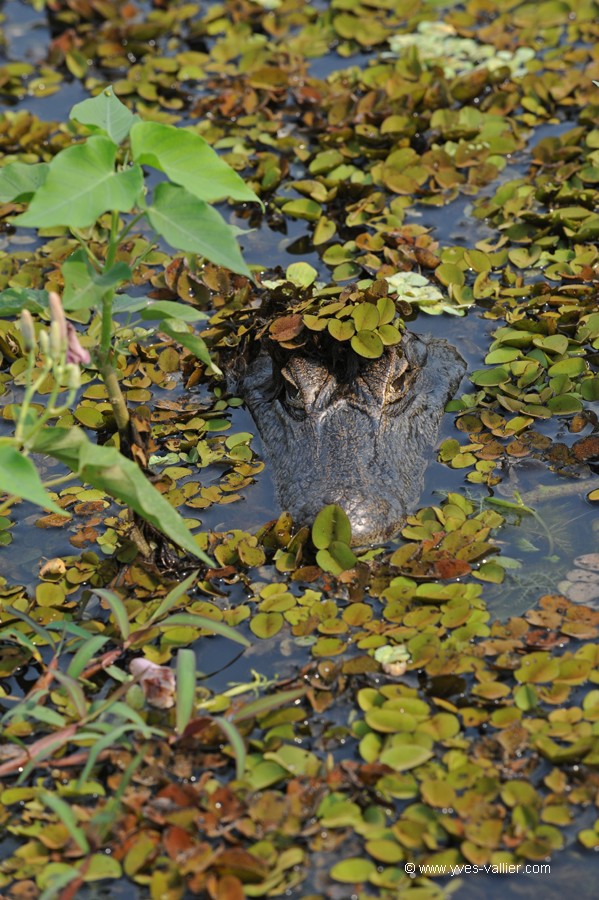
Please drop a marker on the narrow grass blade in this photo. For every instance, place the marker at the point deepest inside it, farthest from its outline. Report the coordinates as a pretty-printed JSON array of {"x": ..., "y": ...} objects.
[
  {"x": 186, "y": 688},
  {"x": 117, "y": 608},
  {"x": 236, "y": 741},
  {"x": 266, "y": 704},
  {"x": 205, "y": 623},
  {"x": 86, "y": 652},
  {"x": 35, "y": 626},
  {"x": 75, "y": 692},
  {"x": 172, "y": 597},
  {"x": 67, "y": 817},
  {"x": 58, "y": 881}
]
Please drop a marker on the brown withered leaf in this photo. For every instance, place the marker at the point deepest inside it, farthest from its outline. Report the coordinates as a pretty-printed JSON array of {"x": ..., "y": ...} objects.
[{"x": 286, "y": 328}]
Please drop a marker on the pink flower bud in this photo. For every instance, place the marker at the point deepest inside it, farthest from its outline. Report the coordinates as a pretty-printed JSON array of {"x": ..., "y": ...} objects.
[
  {"x": 57, "y": 314},
  {"x": 27, "y": 330},
  {"x": 75, "y": 352}
]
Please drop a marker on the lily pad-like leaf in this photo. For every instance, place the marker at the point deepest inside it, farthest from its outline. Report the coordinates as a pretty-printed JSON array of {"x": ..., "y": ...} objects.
[
  {"x": 108, "y": 470},
  {"x": 336, "y": 558},
  {"x": 20, "y": 478},
  {"x": 366, "y": 317},
  {"x": 330, "y": 525},
  {"x": 341, "y": 330},
  {"x": 81, "y": 185},
  {"x": 301, "y": 274},
  {"x": 188, "y": 160},
  {"x": 18, "y": 181},
  {"x": 189, "y": 224},
  {"x": 367, "y": 344},
  {"x": 353, "y": 871},
  {"x": 403, "y": 757},
  {"x": 389, "y": 335},
  {"x": 105, "y": 113}
]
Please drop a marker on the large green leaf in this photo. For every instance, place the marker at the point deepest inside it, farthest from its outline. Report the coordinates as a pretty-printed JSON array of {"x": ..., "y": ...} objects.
[
  {"x": 20, "y": 478},
  {"x": 156, "y": 310},
  {"x": 19, "y": 180},
  {"x": 81, "y": 185},
  {"x": 83, "y": 286},
  {"x": 13, "y": 300},
  {"x": 105, "y": 113},
  {"x": 177, "y": 329},
  {"x": 108, "y": 470},
  {"x": 189, "y": 224},
  {"x": 188, "y": 160}
]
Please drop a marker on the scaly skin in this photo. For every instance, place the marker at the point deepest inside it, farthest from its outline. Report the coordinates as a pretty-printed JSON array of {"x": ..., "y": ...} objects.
[{"x": 363, "y": 445}]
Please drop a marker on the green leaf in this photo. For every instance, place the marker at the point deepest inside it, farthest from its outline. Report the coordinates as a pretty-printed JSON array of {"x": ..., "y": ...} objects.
[
  {"x": 108, "y": 470},
  {"x": 83, "y": 286},
  {"x": 186, "y": 688},
  {"x": 125, "y": 303},
  {"x": 303, "y": 209},
  {"x": 19, "y": 180},
  {"x": 266, "y": 624},
  {"x": 75, "y": 692},
  {"x": 67, "y": 817},
  {"x": 118, "y": 610},
  {"x": 166, "y": 309},
  {"x": 490, "y": 377},
  {"x": 171, "y": 598},
  {"x": 188, "y": 160},
  {"x": 405, "y": 756},
  {"x": 341, "y": 329},
  {"x": 13, "y": 300},
  {"x": 100, "y": 866},
  {"x": 206, "y": 624},
  {"x": 331, "y": 524},
  {"x": 81, "y": 185},
  {"x": 366, "y": 317},
  {"x": 178, "y": 330},
  {"x": 189, "y": 224},
  {"x": 20, "y": 478},
  {"x": 448, "y": 273},
  {"x": 389, "y": 335},
  {"x": 85, "y": 653},
  {"x": 301, "y": 274},
  {"x": 105, "y": 113},
  {"x": 54, "y": 877},
  {"x": 336, "y": 558},
  {"x": 267, "y": 704},
  {"x": 35, "y": 627},
  {"x": 367, "y": 344},
  {"x": 353, "y": 870},
  {"x": 564, "y": 405},
  {"x": 236, "y": 741}
]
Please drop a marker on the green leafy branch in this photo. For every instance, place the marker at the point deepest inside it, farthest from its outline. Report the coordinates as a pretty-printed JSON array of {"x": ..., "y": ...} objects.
[{"x": 104, "y": 174}]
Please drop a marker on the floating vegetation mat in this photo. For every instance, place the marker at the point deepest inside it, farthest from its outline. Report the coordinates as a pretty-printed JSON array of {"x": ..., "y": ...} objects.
[{"x": 383, "y": 720}]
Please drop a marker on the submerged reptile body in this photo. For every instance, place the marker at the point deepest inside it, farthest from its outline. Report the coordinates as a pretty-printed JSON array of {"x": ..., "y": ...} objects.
[{"x": 364, "y": 443}]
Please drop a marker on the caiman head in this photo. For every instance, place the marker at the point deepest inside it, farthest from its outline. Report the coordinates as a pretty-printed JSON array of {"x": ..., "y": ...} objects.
[{"x": 361, "y": 442}]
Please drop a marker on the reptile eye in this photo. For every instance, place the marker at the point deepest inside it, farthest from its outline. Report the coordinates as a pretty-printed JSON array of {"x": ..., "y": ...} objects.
[
  {"x": 291, "y": 398},
  {"x": 293, "y": 394},
  {"x": 397, "y": 388}
]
